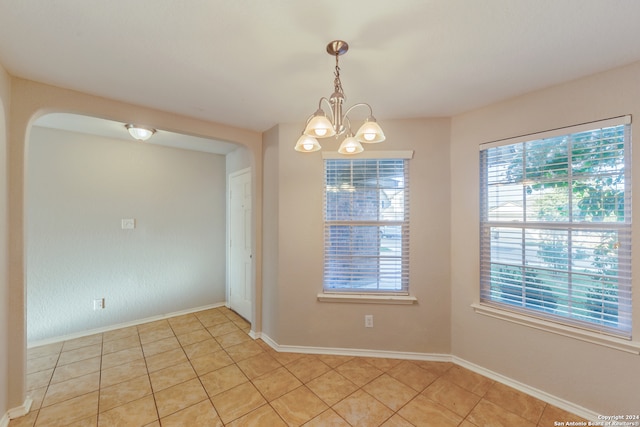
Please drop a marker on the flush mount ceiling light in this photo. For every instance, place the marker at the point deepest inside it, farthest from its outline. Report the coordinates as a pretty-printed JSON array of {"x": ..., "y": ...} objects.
[
  {"x": 321, "y": 126},
  {"x": 141, "y": 133}
]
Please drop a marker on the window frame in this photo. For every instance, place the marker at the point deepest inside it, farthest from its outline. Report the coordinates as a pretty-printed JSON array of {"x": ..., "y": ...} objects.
[
  {"x": 537, "y": 318},
  {"x": 356, "y": 295}
]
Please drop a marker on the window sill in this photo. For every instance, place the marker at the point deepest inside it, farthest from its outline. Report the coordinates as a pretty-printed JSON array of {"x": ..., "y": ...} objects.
[
  {"x": 367, "y": 299},
  {"x": 567, "y": 331}
]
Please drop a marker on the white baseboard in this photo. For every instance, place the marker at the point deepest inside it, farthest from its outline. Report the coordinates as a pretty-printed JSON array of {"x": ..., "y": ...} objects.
[
  {"x": 16, "y": 412},
  {"x": 431, "y": 357},
  {"x": 434, "y": 357},
  {"x": 122, "y": 325},
  {"x": 531, "y": 391}
]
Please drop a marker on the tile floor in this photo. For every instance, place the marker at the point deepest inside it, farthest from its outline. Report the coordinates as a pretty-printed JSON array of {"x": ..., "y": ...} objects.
[{"x": 203, "y": 369}]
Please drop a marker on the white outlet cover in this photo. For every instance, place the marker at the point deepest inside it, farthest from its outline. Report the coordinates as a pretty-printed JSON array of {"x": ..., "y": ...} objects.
[{"x": 128, "y": 223}]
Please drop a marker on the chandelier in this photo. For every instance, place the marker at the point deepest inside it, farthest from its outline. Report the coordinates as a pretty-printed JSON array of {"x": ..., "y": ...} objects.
[{"x": 338, "y": 123}]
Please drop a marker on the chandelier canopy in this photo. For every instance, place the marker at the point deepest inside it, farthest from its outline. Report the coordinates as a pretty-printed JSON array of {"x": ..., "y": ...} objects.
[{"x": 338, "y": 123}]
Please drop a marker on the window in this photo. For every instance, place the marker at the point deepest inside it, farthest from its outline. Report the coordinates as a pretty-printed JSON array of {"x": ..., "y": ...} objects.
[
  {"x": 366, "y": 226},
  {"x": 555, "y": 227}
]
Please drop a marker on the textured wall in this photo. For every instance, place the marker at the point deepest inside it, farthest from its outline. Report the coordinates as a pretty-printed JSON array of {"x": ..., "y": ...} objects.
[
  {"x": 4, "y": 280},
  {"x": 79, "y": 188}
]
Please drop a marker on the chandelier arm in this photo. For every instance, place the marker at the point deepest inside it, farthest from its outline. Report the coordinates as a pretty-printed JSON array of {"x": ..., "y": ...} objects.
[
  {"x": 328, "y": 104},
  {"x": 358, "y": 105}
]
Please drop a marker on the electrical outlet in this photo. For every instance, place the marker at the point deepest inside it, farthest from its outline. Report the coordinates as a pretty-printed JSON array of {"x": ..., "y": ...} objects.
[
  {"x": 98, "y": 304},
  {"x": 368, "y": 320}
]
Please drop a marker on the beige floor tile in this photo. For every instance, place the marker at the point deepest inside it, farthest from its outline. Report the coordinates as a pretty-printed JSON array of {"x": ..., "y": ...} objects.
[
  {"x": 82, "y": 342},
  {"x": 412, "y": 375},
  {"x": 42, "y": 363},
  {"x": 65, "y": 390},
  {"x": 286, "y": 358},
  {"x": 528, "y": 407},
  {"x": 118, "y": 344},
  {"x": 487, "y": 413},
  {"x": 362, "y": 409},
  {"x": 69, "y": 411},
  {"x": 78, "y": 354},
  {"x": 258, "y": 365},
  {"x": 117, "y": 334},
  {"x": 334, "y": 361},
  {"x": 223, "y": 379},
  {"x": 237, "y": 402},
  {"x": 124, "y": 392},
  {"x": 438, "y": 368},
  {"x": 173, "y": 375},
  {"x": 390, "y": 391},
  {"x": 382, "y": 363},
  {"x": 193, "y": 337},
  {"x": 328, "y": 418},
  {"x": 121, "y": 357},
  {"x": 76, "y": 369},
  {"x": 359, "y": 371},
  {"x": 211, "y": 319},
  {"x": 202, "y": 348},
  {"x": 137, "y": 413},
  {"x": 261, "y": 417},
  {"x": 123, "y": 373},
  {"x": 244, "y": 350},
  {"x": 179, "y": 397},
  {"x": 39, "y": 379},
  {"x": 44, "y": 350},
  {"x": 211, "y": 362},
  {"x": 85, "y": 422},
  {"x": 223, "y": 328},
  {"x": 233, "y": 338},
  {"x": 552, "y": 414},
  {"x": 396, "y": 421},
  {"x": 299, "y": 406},
  {"x": 423, "y": 412},
  {"x": 307, "y": 368},
  {"x": 162, "y": 324},
  {"x": 24, "y": 421},
  {"x": 468, "y": 380},
  {"x": 156, "y": 334},
  {"x": 331, "y": 387},
  {"x": 160, "y": 346},
  {"x": 200, "y": 414},
  {"x": 276, "y": 383},
  {"x": 166, "y": 359},
  {"x": 451, "y": 396}
]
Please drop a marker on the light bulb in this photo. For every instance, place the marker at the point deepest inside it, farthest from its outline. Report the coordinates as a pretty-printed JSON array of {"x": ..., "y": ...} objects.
[
  {"x": 350, "y": 149},
  {"x": 307, "y": 147},
  {"x": 369, "y": 136},
  {"x": 320, "y": 132}
]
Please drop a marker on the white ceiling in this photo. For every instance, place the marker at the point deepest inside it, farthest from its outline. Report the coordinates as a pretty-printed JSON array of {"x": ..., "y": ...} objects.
[{"x": 257, "y": 63}]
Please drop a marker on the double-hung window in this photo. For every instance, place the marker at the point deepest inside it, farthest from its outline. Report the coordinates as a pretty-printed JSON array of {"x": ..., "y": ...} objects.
[
  {"x": 366, "y": 225},
  {"x": 555, "y": 226}
]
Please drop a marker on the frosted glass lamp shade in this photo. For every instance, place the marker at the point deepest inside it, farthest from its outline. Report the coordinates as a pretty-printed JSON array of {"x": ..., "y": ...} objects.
[
  {"x": 140, "y": 133},
  {"x": 350, "y": 145},
  {"x": 307, "y": 144},
  {"x": 370, "y": 131},
  {"x": 319, "y": 126}
]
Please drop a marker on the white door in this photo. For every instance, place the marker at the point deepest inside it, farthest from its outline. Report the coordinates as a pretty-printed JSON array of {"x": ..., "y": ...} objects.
[{"x": 240, "y": 244}]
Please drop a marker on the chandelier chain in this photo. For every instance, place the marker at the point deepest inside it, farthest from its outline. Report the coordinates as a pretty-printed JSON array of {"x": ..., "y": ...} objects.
[{"x": 336, "y": 82}]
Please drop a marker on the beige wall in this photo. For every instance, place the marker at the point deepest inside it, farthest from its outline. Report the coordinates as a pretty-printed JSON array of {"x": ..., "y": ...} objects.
[
  {"x": 293, "y": 220},
  {"x": 79, "y": 188},
  {"x": 31, "y": 100},
  {"x": 596, "y": 377},
  {"x": 5, "y": 99}
]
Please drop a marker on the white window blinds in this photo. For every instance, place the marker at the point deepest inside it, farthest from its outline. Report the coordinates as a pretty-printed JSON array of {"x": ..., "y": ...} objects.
[
  {"x": 555, "y": 226},
  {"x": 366, "y": 226}
]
